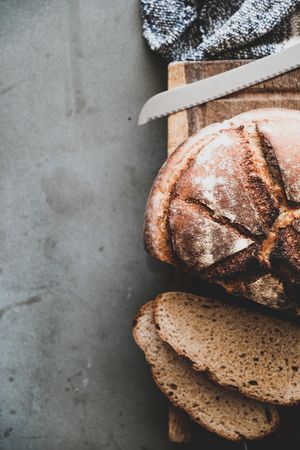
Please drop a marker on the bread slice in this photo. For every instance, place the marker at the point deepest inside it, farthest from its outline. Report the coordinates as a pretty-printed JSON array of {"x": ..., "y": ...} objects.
[
  {"x": 257, "y": 354},
  {"x": 221, "y": 411}
]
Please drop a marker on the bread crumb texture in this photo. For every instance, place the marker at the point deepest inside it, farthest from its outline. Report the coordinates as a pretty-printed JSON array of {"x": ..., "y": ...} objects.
[
  {"x": 220, "y": 410},
  {"x": 257, "y": 354}
]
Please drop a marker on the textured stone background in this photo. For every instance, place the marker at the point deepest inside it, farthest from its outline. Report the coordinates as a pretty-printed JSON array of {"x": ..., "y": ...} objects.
[{"x": 75, "y": 171}]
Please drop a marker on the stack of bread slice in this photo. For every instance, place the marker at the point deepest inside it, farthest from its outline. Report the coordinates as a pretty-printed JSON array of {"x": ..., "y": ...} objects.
[{"x": 226, "y": 366}]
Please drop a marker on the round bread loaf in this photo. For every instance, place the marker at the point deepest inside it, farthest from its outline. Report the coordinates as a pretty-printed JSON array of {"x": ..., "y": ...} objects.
[{"x": 226, "y": 207}]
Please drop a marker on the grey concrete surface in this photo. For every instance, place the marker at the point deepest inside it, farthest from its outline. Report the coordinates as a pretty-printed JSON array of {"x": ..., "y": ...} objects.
[{"x": 75, "y": 172}]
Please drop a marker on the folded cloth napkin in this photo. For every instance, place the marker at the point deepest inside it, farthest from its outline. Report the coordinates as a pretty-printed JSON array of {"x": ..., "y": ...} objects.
[{"x": 218, "y": 29}]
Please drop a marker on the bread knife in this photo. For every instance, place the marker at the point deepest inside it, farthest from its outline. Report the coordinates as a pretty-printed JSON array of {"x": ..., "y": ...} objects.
[{"x": 217, "y": 86}]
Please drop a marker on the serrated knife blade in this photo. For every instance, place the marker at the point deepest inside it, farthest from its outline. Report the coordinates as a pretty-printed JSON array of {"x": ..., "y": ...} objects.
[{"x": 217, "y": 86}]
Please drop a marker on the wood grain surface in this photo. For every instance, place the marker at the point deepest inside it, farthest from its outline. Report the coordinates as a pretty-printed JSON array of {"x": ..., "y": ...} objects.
[{"x": 282, "y": 91}]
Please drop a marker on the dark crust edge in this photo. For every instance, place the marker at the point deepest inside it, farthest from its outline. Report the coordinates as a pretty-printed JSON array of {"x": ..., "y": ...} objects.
[
  {"x": 242, "y": 261},
  {"x": 281, "y": 258}
]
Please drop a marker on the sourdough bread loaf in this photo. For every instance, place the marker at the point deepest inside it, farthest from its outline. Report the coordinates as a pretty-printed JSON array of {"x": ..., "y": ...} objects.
[
  {"x": 257, "y": 354},
  {"x": 226, "y": 207},
  {"x": 225, "y": 412}
]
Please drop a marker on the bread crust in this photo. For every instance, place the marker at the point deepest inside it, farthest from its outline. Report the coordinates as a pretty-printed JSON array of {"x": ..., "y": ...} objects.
[
  {"x": 241, "y": 174},
  {"x": 156, "y": 236},
  {"x": 285, "y": 255}
]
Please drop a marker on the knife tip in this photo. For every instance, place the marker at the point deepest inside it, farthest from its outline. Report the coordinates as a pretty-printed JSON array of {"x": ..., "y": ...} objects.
[
  {"x": 141, "y": 120},
  {"x": 143, "y": 116}
]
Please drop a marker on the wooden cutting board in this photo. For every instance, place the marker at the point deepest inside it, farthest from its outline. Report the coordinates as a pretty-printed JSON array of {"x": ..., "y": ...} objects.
[{"x": 282, "y": 91}]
